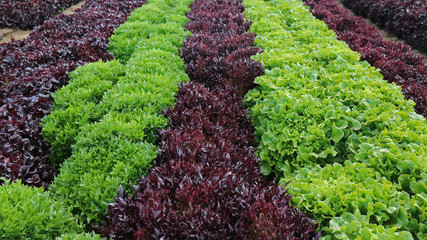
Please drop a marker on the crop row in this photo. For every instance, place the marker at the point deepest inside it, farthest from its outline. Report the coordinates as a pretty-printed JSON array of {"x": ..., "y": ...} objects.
[
  {"x": 208, "y": 184},
  {"x": 397, "y": 62},
  {"x": 405, "y": 18},
  {"x": 103, "y": 125},
  {"x": 350, "y": 147},
  {"x": 27, "y": 14},
  {"x": 33, "y": 68}
]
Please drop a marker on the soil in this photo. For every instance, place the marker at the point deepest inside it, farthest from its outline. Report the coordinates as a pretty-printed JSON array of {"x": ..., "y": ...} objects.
[
  {"x": 388, "y": 36},
  {"x": 7, "y": 34}
]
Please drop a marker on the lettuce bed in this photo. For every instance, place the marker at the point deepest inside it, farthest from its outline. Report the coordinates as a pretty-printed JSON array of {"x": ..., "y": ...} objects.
[
  {"x": 208, "y": 184},
  {"x": 33, "y": 68},
  {"x": 104, "y": 124},
  {"x": 397, "y": 62},
  {"x": 405, "y": 18},
  {"x": 351, "y": 147}
]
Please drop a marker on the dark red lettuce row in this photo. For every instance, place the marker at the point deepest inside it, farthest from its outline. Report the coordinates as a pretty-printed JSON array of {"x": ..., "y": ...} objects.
[
  {"x": 220, "y": 48},
  {"x": 26, "y": 14},
  {"x": 231, "y": 62},
  {"x": 405, "y": 18},
  {"x": 207, "y": 183},
  {"x": 33, "y": 68},
  {"x": 396, "y": 61}
]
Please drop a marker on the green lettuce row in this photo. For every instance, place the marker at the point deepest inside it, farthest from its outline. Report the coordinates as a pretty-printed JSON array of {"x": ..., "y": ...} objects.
[
  {"x": 105, "y": 121},
  {"x": 155, "y": 19},
  {"x": 76, "y": 104},
  {"x": 319, "y": 110},
  {"x": 30, "y": 213}
]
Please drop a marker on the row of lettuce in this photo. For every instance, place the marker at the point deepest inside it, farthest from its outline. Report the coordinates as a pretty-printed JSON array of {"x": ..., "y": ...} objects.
[
  {"x": 107, "y": 117},
  {"x": 109, "y": 112},
  {"x": 26, "y": 14},
  {"x": 350, "y": 146},
  {"x": 33, "y": 68},
  {"x": 397, "y": 62},
  {"x": 405, "y": 18}
]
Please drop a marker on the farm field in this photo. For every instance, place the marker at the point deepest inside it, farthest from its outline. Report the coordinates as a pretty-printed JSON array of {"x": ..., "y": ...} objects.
[{"x": 211, "y": 119}]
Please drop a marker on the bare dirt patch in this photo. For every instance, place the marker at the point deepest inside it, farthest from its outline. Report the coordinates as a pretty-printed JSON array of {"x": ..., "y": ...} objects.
[
  {"x": 16, "y": 34},
  {"x": 7, "y": 34}
]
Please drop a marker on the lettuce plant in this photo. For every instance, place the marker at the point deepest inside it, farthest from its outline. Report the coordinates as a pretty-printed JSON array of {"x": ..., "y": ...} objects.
[
  {"x": 31, "y": 213},
  {"x": 335, "y": 192}
]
